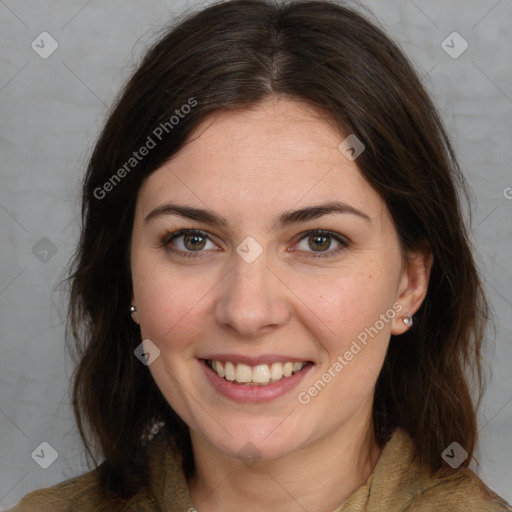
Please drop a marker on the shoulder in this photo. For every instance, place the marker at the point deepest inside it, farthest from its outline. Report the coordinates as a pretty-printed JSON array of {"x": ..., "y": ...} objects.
[
  {"x": 84, "y": 493},
  {"x": 456, "y": 490},
  {"x": 461, "y": 490},
  {"x": 401, "y": 483},
  {"x": 79, "y": 493}
]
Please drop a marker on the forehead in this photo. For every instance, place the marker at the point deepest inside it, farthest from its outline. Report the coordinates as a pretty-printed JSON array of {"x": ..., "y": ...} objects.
[{"x": 278, "y": 155}]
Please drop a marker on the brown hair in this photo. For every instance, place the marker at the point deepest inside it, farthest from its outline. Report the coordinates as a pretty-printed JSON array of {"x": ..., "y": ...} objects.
[{"x": 231, "y": 56}]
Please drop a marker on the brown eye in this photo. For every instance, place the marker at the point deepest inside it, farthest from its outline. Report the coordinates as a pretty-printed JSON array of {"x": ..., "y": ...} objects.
[
  {"x": 194, "y": 241},
  {"x": 320, "y": 241},
  {"x": 186, "y": 242}
]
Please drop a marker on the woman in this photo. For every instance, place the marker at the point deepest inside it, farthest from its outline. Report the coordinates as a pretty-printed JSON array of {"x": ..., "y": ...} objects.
[{"x": 274, "y": 297}]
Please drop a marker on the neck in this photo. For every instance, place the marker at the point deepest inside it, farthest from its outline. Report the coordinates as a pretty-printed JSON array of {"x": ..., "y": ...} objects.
[{"x": 319, "y": 477}]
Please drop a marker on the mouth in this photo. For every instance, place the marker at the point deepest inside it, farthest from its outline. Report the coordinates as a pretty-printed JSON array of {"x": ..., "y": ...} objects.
[{"x": 257, "y": 375}]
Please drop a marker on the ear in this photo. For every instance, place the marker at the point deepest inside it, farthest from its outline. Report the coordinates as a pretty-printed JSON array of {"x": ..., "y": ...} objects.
[
  {"x": 134, "y": 314},
  {"x": 413, "y": 287}
]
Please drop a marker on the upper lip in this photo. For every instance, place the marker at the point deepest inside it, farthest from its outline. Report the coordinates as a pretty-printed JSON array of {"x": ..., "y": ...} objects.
[{"x": 254, "y": 360}]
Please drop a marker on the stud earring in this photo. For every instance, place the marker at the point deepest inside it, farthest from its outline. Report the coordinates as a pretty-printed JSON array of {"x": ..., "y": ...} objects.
[
  {"x": 133, "y": 310},
  {"x": 408, "y": 321}
]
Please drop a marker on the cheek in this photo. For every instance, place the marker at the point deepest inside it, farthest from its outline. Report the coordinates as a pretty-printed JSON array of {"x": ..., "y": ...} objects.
[
  {"x": 351, "y": 300},
  {"x": 169, "y": 301}
]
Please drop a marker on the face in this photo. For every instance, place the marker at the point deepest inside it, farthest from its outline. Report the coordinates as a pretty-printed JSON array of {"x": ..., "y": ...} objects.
[{"x": 255, "y": 286}]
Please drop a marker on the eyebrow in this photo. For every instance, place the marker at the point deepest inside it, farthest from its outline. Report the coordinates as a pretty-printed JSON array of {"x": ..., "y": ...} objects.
[{"x": 287, "y": 218}]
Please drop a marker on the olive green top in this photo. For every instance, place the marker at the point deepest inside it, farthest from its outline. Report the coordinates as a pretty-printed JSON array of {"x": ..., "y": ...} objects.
[{"x": 397, "y": 484}]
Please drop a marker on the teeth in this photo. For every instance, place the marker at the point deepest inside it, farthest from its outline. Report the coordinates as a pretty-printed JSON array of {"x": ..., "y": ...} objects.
[
  {"x": 219, "y": 369},
  {"x": 276, "y": 371},
  {"x": 229, "y": 370},
  {"x": 261, "y": 374},
  {"x": 243, "y": 373}
]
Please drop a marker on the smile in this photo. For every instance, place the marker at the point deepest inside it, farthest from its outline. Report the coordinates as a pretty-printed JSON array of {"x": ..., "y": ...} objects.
[{"x": 260, "y": 375}]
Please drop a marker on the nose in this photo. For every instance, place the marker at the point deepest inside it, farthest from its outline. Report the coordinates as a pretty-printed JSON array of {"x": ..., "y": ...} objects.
[{"x": 252, "y": 299}]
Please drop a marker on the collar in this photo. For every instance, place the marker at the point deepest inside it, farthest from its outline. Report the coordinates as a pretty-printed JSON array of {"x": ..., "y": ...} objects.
[{"x": 396, "y": 478}]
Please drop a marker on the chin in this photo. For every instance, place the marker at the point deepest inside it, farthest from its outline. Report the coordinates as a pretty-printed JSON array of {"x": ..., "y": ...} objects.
[{"x": 268, "y": 440}]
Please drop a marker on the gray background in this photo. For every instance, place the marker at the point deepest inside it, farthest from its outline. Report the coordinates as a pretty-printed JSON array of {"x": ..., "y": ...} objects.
[{"x": 51, "y": 111}]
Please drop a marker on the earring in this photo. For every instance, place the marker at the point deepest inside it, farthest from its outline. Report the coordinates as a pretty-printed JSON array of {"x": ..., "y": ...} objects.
[
  {"x": 133, "y": 310},
  {"x": 408, "y": 321}
]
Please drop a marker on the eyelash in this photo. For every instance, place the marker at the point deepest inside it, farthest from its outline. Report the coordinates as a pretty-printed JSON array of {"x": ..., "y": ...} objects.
[{"x": 166, "y": 242}]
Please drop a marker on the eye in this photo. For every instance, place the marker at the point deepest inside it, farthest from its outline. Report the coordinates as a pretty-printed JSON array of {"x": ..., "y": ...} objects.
[
  {"x": 189, "y": 241},
  {"x": 320, "y": 240}
]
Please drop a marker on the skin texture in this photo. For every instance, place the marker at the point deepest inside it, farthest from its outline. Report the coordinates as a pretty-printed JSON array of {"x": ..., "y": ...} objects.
[{"x": 250, "y": 166}]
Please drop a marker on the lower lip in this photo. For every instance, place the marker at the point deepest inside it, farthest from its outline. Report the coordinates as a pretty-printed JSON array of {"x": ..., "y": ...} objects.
[{"x": 257, "y": 393}]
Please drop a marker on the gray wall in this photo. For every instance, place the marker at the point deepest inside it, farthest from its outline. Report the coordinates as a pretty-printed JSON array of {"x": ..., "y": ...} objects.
[{"x": 51, "y": 110}]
